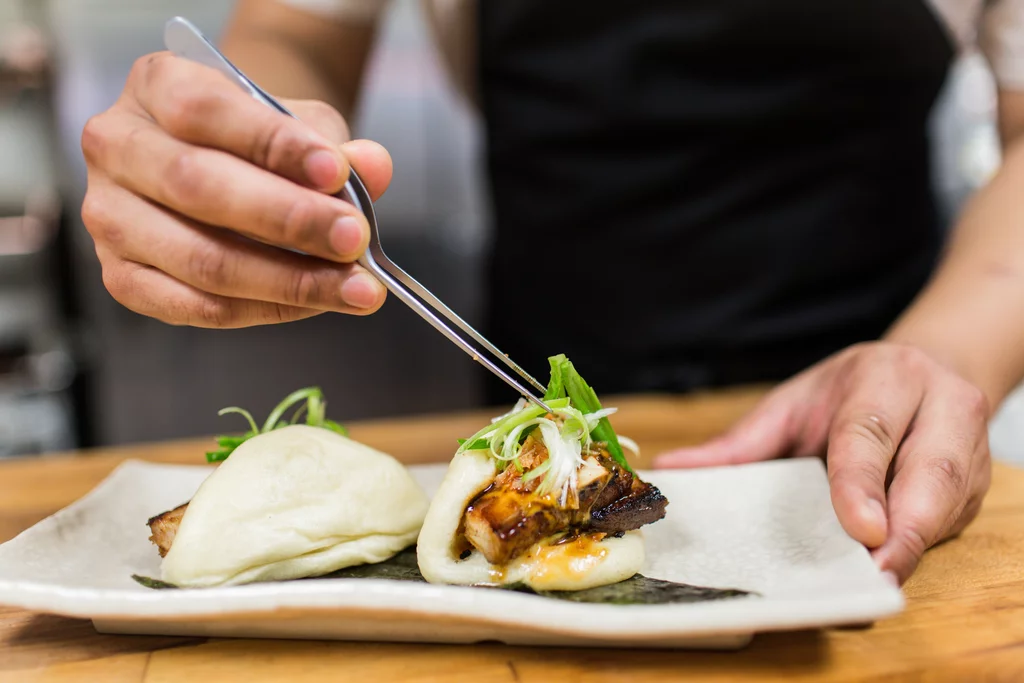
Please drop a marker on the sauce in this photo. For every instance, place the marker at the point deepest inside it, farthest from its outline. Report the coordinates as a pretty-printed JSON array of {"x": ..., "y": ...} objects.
[
  {"x": 566, "y": 561},
  {"x": 513, "y": 526}
]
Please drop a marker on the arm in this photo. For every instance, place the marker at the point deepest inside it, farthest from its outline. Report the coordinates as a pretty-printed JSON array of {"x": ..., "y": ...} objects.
[
  {"x": 969, "y": 316},
  {"x": 297, "y": 55},
  {"x": 903, "y": 422}
]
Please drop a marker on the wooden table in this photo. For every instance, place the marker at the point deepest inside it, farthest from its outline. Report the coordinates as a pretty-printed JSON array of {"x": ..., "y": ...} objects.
[{"x": 964, "y": 620}]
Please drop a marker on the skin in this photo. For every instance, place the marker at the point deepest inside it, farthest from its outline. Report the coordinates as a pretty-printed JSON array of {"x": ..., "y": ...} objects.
[
  {"x": 903, "y": 422},
  {"x": 193, "y": 186},
  {"x": 184, "y": 167}
]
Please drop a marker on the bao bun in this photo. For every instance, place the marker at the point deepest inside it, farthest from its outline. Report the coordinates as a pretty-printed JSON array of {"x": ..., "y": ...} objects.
[
  {"x": 295, "y": 502},
  {"x": 542, "y": 567}
]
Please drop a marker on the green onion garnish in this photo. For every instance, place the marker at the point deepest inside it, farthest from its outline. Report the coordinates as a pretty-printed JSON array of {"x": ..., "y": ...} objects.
[
  {"x": 584, "y": 399},
  {"x": 313, "y": 406},
  {"x": 583, "y": 421}
]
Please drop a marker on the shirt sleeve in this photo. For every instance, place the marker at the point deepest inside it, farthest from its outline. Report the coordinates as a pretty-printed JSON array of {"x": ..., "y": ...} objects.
[
  {"x": 1001, "y": 39},
  {"x": 350, "y": 10}
]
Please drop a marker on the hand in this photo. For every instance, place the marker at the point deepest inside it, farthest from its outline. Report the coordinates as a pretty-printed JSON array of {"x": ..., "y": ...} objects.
[
  {"x": 186, "y": 165},
  {"x": 905, "y": 441}
]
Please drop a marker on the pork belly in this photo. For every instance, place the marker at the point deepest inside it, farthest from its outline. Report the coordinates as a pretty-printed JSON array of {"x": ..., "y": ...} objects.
[
  {"x": 504, "y": 523},
  {"x": 164, "y": 527},
  {"x": 510, "y": 516},
  {"x": 641, "y": 504}
]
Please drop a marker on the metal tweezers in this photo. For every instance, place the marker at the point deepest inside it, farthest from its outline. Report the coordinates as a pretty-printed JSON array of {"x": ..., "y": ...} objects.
[{"x": 183, "y": 39}]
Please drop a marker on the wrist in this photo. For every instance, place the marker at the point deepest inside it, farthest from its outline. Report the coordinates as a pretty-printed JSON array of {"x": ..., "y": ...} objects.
[{"x": 951, "y": 353}]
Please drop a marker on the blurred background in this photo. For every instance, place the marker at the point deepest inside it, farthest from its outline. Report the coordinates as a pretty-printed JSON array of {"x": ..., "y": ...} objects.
[{"x": 78, "y": 370}]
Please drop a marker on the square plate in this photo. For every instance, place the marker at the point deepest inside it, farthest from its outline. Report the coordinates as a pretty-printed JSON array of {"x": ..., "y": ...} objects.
[{"x": 768, "y": 528}]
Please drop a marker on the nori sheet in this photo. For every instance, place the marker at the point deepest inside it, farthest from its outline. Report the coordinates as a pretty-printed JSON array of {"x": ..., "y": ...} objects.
[{"x": 637, "y": 590}]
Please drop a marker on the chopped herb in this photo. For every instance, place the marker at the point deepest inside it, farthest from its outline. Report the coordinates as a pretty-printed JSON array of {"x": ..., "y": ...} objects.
[
  {"x": 586, "y": 401},
  {"x": 566, "y": 381},
  {"x": 566, "y": 390},
  {"x": 556, "y": 386},
  {"x": 312, "y": 405},
  {"x": 478, "y": 445},
  {"x": 335, "y": 427},
  {"x": 233, "y": 441}
]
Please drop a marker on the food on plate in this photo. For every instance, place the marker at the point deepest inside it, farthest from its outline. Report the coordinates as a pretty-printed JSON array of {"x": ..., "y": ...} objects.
[
  {"x": 637, "y": 590},
  {"x": 289, "y": 501},
  {"x": 548, "y": 501},
  {"x": 164, "y": 527}
]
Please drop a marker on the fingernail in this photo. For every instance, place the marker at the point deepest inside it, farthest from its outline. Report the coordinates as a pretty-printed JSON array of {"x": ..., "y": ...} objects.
[
  {"x": 874, "y": 511},
  {"x": 361, "y": 291},
  {"x": 891, "y": 579},
  {"x": 346, "y": 236},
  {"x": 321, "y": 168}
]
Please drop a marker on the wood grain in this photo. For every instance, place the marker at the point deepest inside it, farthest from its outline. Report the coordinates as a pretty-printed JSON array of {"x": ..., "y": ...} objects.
[{"x": 964, "y": 619}]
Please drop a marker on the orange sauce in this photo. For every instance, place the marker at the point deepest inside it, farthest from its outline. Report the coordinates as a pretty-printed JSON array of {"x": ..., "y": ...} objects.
[{"x": 571, "y": 560}]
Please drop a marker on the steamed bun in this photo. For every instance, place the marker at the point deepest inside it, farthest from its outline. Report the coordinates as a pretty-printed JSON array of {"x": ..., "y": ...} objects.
[
  {"x": 295, "y": 502},
  {"x": 553, "y": 568}
]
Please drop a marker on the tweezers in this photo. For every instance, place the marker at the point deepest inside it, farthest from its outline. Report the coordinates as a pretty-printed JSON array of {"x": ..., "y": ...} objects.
[{"x": 183, "y": 39}]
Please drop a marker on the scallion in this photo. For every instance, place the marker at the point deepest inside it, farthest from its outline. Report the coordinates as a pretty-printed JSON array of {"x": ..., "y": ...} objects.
[
  {"x": 582, "y": 421},
  {"x": 314, "y": 408}
]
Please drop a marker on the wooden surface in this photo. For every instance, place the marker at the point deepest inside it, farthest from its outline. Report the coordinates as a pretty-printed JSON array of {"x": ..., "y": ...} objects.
[{"x": 964, "y": 619}]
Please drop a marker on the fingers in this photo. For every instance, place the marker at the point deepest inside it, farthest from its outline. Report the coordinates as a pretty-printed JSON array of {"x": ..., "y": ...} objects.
[
  {"x": 321, "y": 117},
  {"x": 941, "y": 474},
  {"x": 885, "y": 412},
  {"x": 185, "y": 163},
  {"x": 870, "y": 421},
  {"x": 219, "y": 189},
  {"x": 766, "y": 433},
  {"x": 218, "y": 262},
  {"x": 370, "y": 159},
  {"x": 200, "y": 106},
  {"x": 149, "y": 292},
  {"x": 373, "y": 164}
]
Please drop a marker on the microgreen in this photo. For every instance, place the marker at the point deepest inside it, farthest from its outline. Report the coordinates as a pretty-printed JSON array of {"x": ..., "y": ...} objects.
[
  {"x": 578, "y": 421},
  {"x": 312, "y": 407}
]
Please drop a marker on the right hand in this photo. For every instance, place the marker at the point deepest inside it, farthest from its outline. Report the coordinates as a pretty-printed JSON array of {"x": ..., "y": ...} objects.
[{"x": 185, "y": 166}]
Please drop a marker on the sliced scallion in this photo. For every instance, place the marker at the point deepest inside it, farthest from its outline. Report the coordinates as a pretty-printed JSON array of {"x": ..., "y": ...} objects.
[
  {"x": 581, "y": 421},
  {"x": 314, "y": 407}
]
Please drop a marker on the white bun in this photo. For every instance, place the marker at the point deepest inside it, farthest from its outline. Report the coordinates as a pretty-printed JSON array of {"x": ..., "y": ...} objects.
[
  {"x": 551, "y": 567},
  {"x": 295, "y": 502}
]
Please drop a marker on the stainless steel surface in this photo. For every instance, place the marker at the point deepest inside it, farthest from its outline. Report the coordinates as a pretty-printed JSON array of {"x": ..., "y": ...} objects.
[{"x": 183, "y": 39}]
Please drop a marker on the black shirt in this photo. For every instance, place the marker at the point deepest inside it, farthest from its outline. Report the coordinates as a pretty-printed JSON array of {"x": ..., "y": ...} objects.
[{"x": 695, "y": 193}]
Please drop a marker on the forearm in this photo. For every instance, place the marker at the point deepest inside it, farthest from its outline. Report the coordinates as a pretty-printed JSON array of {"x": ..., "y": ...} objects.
[
  {"x": 281, "y": 69},
  {"x": 296, "y": 55},
  {"x": 971, "y": 315}
]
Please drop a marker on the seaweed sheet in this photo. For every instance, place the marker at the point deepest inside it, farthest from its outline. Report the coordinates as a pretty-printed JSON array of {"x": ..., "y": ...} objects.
[{"x": 637, "y": 590}]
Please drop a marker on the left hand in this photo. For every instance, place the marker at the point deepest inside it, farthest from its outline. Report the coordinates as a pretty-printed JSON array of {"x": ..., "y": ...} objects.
[{"x": 905, "y": 441}]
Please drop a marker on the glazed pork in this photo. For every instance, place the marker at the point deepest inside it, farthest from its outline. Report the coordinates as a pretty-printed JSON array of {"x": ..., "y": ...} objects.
[
  {"x": 164, "y": 527},
  {"x": 511, "y": 515}
]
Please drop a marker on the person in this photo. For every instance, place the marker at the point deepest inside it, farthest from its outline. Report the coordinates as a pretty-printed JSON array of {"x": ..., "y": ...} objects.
[{"x": 687, "y": 195}]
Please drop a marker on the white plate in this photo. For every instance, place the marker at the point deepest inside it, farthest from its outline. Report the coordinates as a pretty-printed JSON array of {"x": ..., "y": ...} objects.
[{"x": 768, "y": 528}]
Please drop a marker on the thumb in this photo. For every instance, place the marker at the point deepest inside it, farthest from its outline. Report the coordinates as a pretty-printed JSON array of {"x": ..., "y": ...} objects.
[
  {"x": 373, "y": 164},
  {"x": 369, "y": 159},
  {"x": 765, "y": 433}
]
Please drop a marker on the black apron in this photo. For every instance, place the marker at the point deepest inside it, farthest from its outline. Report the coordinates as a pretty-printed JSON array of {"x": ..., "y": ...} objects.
[{"x": 697, "y": 193}]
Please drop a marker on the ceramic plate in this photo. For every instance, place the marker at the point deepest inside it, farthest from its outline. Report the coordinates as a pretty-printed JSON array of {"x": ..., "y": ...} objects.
[{"x": 767, "y": 528}]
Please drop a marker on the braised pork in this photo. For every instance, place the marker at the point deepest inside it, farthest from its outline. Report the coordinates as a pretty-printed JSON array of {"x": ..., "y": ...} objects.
[
  {"x": 164, "y": 527},
  {"x": 510, "y": 515}
]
